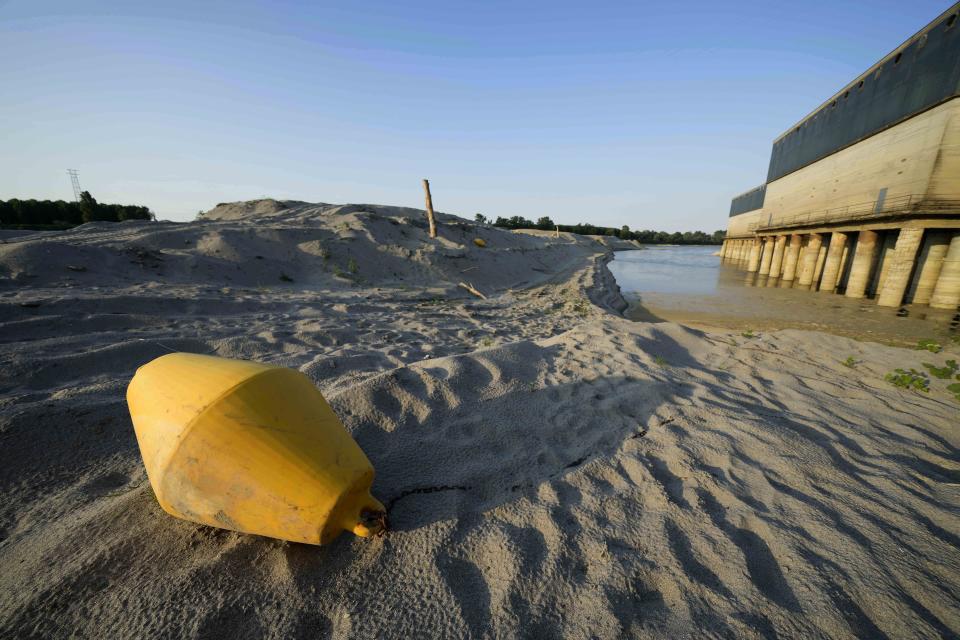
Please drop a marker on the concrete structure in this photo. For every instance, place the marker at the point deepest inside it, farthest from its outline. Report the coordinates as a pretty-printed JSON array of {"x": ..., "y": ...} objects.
[{"x": 863, "y": 195}]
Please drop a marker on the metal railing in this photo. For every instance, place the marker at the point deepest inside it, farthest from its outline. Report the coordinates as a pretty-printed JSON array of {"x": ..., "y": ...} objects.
[{"x": 891, "y": 207}]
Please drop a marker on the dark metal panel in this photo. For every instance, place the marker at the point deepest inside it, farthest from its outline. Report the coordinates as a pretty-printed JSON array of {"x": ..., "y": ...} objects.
[
  {"x": 749, "y": 201},
  {"x": 922, "y": 75}
]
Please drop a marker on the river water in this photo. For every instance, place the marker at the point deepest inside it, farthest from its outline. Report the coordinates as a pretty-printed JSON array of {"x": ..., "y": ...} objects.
[{"x": 689, "y": 285}]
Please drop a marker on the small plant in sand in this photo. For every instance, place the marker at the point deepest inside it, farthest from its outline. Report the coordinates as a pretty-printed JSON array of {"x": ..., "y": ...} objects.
[
  {"x": 849, "y": 362},
  {"x": 909, "y": 379},
  {"x": 338, "y": 272},
  {"x": 486, "y": 341},
  {"x": 580, "y": 307},
  {"x": 929, "y": 345},
  {"x": 748, "y": 334},
  {"x": 352, "y": 266},
  {"x": 285, "y": 278},
  {"x": 955, "y": 389},
  {"x": 944, "y": 373},
  {"x": 660, "y": 361}
]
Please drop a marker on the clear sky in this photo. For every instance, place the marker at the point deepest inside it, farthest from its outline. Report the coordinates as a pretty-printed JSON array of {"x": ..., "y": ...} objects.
[{"x": 650, "y": 114}]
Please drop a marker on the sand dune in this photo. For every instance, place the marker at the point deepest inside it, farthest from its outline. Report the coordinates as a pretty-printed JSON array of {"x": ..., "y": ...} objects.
[{"x": 551, "y": 469}]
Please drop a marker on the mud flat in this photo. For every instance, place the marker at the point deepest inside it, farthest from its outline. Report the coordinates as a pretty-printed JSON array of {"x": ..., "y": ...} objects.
[{"x": 552, "y": 469}]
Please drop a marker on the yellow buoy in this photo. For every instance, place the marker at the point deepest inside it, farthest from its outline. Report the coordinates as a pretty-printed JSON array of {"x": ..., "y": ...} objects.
[
  {"x": 480, "y": 242},
  {"x": 250, "y": 447}
]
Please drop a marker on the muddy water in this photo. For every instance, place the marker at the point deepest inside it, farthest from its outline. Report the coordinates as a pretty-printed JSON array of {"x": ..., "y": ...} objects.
[{"x": 689, "y": 285}]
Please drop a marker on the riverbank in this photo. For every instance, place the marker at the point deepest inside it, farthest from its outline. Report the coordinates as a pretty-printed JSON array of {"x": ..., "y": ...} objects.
[
  {"x": 552, "y": 469},
  {"x": 691, "y": 287}
]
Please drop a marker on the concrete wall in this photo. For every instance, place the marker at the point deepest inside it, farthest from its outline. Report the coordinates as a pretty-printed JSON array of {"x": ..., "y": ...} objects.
[
  {"x": 918, "y": 158},
  {"x": 740, "y": 225},
  {"x": 945, "y": 179}
]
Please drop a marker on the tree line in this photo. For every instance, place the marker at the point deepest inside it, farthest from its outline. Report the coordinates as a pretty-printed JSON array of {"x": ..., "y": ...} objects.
[
  {"x": 61, "y": 214},
  {"x": 624, "y": 233}
]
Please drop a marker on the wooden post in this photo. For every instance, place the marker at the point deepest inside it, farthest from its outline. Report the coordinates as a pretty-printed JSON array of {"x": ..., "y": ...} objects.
[{"x": 433, "y": 224}]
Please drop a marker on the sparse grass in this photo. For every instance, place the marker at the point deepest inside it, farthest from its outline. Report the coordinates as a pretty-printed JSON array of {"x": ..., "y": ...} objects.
[
  {"x": 580, "y": 307},
  {"x": 338, "y": 272},
  {"x": 660, "y": 361},
  {"x": 285, "y": 278},
  {"x": 929, "y": 345},
  {"x": 748, "y": 334},
  {"x": 849, "y": 362},
  {"x": 944, "y": 373},
  {"x": 352, "y": 266},
  {"x": 486, "y": 341},
  {"x": 909, "y": 379},
  {"x": 955, "y": 389}
]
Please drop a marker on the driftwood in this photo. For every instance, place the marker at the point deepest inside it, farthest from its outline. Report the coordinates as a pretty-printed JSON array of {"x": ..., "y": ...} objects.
[
  {"x": 472, "y": 289},
  {"x": 433, "y": 224}
]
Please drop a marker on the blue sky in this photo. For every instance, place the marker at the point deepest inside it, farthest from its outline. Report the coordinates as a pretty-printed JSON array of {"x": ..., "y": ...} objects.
[{"x": 647, "y": 114}]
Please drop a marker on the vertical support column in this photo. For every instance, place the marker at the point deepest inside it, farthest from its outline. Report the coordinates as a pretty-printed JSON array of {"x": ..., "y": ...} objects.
[
  {"x": 754, "y": 263},
  {"x": 809, "y": 262},
  {"x": 821, "y": 260},
  {"x": 791, "y": 258},
  {"x": 723, "y": 250},
  {"x": 767, "y": 256},
  {"x": 776, "y": 263},
  {"x": 885, "y": 259},
  {"x": 937, "y": 243},
  {"x": 831, "y": 268},
  {"x": 901, "y": 266},
  {"x": 744, "y": 251},
  {"x": 862, "y": 264},
  {"x": 946, "y": 293}
]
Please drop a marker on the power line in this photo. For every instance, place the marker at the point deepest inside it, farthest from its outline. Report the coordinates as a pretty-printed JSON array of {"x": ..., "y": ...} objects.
[{"x": 75, "y": 180}]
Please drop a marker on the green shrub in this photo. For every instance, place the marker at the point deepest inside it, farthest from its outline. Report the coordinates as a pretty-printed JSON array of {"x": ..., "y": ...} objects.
[
  {"x": 929, "y": 345},
  {"x": 912, "y": 379},
  {"x": 944, "y": 373}
]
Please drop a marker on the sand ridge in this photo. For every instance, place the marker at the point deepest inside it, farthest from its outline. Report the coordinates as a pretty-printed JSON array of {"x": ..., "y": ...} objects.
[{"x": 551, "y": 468}]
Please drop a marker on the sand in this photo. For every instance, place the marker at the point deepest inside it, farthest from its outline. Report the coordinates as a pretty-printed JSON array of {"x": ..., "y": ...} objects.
[{"x": 552, "y": 469}]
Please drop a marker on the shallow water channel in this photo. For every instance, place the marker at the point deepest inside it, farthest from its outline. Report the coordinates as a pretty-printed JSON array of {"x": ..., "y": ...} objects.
[{"x": 689, "y": 285}]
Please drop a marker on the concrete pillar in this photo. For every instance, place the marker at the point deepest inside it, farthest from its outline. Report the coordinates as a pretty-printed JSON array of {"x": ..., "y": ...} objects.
[
  {"x": 931, "y": 261},
  {"x": 767, "y": 256},
  {"x": 809, "y": 263},
  {"x": 791, "y": 257},
  {"x": 844, "y": 265},
  {"x": 821, "y": 260},
  {"x": 885, "y": 259},
  {"x": 744, "y": 252},
  {"x": 863, "y": 259},
  {"x": 776, "y": 263},
  {"x": 754, "y": 263},
  {"x": 723, "y": 249},
  {"x": 901, "y": 266},
  {"x": 831, "y": 268},
  {"x": 946, "y": 293}
]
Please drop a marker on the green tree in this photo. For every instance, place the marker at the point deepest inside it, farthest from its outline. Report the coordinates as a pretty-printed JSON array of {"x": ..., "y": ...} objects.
[
  {"x": 89, "y": 207},
  {"x": 545, "y": 223},
  {"x": 480, "y": 218}
]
